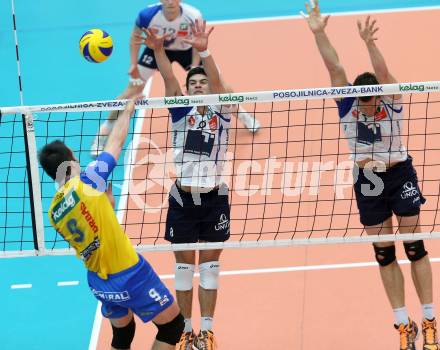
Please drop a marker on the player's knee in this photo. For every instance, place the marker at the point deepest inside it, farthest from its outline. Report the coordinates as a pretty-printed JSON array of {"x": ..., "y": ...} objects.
[
  {"x": 122, "y": 337},
  {"x": 209, "y": 275},
  {"x": 184, "y": 276},
  {"x": 170, "y": 332},
  {"x": 385, "y": 255},
  {"x": 415, "y": 250}
]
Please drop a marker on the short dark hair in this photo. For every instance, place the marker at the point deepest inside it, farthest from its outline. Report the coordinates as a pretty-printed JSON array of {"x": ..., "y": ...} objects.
[
  {"x": 53, "y": 155},
  {"x": 194, "y": 71},
  {"x": 366, "y": 78}
]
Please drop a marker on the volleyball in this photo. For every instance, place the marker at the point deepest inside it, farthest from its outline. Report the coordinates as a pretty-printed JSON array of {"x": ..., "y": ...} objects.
[{"x": 96, "y": 45}]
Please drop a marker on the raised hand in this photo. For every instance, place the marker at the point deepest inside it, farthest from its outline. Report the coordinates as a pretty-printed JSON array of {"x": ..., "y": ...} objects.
[
  {"x": 131, "y": 104},
  {"x": 368, "y": 32},
  {"x": 151, "y": 39},
  {"x": 317, "y": 23},
  {"x": 200, "y": 36},
  {"x": 133, "y": 71}
]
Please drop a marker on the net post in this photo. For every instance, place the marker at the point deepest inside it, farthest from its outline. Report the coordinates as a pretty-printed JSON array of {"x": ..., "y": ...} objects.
[{"x": 34, "y": 183}]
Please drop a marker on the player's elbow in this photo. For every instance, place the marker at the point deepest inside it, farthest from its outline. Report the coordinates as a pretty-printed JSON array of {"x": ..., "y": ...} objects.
[
  {"x": 383, "y": 76},
  {"x": 336, "y": 69}
]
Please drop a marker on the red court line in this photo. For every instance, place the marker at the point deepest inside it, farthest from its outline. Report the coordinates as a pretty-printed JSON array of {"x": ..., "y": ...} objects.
[{"x": 316, "y": 309}]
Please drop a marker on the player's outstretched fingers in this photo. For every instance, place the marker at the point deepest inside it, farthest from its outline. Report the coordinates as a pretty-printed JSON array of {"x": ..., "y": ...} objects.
[{"x": 308, "y": 9}]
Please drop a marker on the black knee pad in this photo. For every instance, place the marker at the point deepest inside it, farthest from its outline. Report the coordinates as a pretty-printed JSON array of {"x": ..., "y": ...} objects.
[
  {"x": 385, "y": 255},
  {"x": 415, "y": 250},
  {"x": 122, "y": 337},
  {"x": 170, "y": 332}
]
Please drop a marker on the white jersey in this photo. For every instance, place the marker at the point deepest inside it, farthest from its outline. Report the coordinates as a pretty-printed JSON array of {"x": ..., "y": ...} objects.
[
  {"x": 199, "y": 144},
  {"x": 377, "y": 138},
  {"x": 153, "y": 17}
]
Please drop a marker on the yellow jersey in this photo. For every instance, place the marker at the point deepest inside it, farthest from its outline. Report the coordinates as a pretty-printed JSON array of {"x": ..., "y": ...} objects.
[{"x": 84, "y": 217}]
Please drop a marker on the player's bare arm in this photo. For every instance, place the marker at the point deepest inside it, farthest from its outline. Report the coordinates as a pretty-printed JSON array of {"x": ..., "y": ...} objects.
[
  {"x": 119, "y": 132},
  {"x": 199, "y": 41},
  {"x": 317, "y": 24},
  {"x": 195, "y": 59},
  {"x": 368, "y": 33}
]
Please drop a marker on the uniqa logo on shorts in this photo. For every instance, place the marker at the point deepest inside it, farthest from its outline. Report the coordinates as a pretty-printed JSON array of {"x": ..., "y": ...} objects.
[
  {"x": 411, "y": 87},
  {"x": 230, "y": 98},
  {"x": 176, "y": 101},
  {"x": 223, "y": 223},
  {"x": 69, "y": 202},
  {"x": 409, "y": 190}
]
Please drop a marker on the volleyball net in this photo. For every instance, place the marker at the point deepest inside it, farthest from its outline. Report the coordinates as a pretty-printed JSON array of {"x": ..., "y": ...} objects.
[{"x": 289, "y": 184}]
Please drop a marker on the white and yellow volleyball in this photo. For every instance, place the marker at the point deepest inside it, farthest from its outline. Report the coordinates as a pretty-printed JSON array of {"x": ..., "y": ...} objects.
[{"x": 96, "y": 45}]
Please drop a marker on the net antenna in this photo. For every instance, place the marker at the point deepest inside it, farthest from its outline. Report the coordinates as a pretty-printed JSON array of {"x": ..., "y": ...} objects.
[
  {"x": 33, "y": 176},
  {"x": 14, "y": 23}
]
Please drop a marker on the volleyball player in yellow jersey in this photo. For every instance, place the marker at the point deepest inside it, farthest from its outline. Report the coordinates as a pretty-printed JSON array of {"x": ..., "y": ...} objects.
[{"x": 82, "y": 212}]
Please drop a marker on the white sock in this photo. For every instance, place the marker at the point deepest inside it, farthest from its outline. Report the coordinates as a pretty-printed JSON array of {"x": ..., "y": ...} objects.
[
  {"x": 206, "y": 323},
  {"x": 401, "y": 316},
  {"x": 188, "y": 325},
  {"x": 428, "y": 311}
]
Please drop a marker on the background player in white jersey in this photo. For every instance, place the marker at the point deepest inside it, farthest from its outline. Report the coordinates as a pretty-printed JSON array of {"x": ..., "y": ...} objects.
[
  {"x": 174, "y": 18},
  {"x": 198, "y": 203},
  {"x": 373, "y": 127}
]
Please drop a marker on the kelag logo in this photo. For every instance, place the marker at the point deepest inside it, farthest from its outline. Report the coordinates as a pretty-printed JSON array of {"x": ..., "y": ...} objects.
[
  {"x": 231, "y": 98},
  {"x": 174, "y": 101},
  {"x": 411, "y": 87},
  {"x": 69, "y": 201}
]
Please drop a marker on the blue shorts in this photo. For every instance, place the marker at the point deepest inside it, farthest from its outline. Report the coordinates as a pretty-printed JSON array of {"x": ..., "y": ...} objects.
[
  {"x": 137, "y": 288},
  {"x": 401, "y": 194},
  {"x": 190, "y": 223}
]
